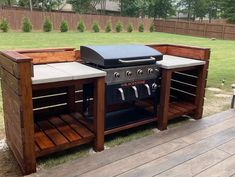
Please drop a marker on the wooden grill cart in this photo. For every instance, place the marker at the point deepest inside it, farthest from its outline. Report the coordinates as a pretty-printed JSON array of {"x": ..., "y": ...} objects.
[
  {"x": 42, "y": 98},
  {"x": 41, "y": 113}
]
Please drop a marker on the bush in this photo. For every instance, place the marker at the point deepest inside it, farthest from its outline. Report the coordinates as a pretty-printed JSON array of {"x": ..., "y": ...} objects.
[
  {"x": 141, "y": 28},
  {"x": 108, "y": 27},
  {"x": 26, "y": 25},
  {"x": 4, "y": 26},
  {"x": 81, "y": 26},
  {"x": 129, "y": 28},
  {"x": 95, "y": 27},
  {"x": 47, "y": 25},
  {"x": 119, "y": 27},
  {"x": 152, "y": 28},
  {"x": 64, "y": 26}
]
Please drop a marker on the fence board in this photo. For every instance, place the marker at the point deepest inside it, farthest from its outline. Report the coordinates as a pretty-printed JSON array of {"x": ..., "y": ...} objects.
[{"x": 210, "y": 30}]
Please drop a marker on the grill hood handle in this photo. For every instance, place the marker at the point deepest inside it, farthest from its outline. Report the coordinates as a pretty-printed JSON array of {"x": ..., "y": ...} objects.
[{"x": 137, "y": 61}]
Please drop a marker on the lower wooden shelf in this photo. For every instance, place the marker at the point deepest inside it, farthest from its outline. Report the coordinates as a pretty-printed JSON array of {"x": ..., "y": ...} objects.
[
  {"x": 58, "y": 133},
  {"x": 61, "y": 132},
  {"x": 177, "y": 109}
]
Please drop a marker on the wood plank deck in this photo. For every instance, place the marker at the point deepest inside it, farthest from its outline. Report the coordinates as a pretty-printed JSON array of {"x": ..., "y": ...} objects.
[{"x": 197, "y": 148}]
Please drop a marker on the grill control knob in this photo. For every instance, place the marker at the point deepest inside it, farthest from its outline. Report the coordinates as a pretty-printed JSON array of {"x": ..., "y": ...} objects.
[
  {"x": 150, "y": 70},
  {"x": 154, "y": 86},
  {"x": 129, "y": 73},
  {"x": 116, "y": 74},
  {"x": 140, "y": 71}
]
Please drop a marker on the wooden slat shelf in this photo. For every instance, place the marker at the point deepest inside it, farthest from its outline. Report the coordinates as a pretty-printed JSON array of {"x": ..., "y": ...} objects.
[
  {"x": 58, "y": 133},
  {"x": 177, "y": 109}
]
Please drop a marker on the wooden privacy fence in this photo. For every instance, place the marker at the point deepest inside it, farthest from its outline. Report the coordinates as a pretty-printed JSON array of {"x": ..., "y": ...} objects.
[
  {"x": 15, "y": 17},
  {"x": 220, "y": 31}
]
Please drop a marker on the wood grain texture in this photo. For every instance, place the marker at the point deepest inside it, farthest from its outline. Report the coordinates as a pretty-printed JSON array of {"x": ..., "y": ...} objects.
[
  {"x": 225, "y": 169},
  {"x": 99, "y": 103},
  {"x": 164, "y": 99},
  {"x": 126, "y": 150},
  {"x": 17, "y": 98},
  {"x": 15, "y": 56},
  {"x": 58, "y": 133},
  {"x": 169, "y": 161},
  {"x": 228, "y": 147},
  {"x": 52, "y": 56},
  {"x": 27, "y": 118},
  {"x": 196, "y": 165}
]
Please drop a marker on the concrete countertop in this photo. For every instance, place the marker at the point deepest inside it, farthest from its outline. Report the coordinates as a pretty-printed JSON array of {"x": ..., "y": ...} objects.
[
  {"x": 48, "y": 73},
  {"x": 173, "y": 62}
]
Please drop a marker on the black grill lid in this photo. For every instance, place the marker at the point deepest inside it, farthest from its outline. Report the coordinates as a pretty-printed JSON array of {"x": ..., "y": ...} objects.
[{"x": 119, "y": 55}]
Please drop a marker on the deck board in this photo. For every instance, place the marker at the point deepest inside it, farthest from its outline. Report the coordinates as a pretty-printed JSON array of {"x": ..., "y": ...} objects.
[{"x": 193, "y": 148}]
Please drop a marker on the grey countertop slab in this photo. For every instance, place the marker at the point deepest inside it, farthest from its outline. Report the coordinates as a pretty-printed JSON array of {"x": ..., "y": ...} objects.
[
  {"x": 48, "y": 73},
  {"x": 173, "y": 62}
]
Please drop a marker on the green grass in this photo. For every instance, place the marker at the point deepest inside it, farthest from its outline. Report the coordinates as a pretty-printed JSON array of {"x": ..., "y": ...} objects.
[{"x": 222, "y": 64}]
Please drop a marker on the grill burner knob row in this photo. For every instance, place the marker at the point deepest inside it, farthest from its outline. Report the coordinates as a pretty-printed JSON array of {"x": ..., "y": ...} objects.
[
  {"x": 150, "y": 70},
  {"x": 129, "y": 73},
  {"x": 116, "y": 74},
  {"x": 140, "y": 71}
]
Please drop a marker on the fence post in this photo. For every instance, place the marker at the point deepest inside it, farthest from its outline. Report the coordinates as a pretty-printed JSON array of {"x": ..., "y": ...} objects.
[
  {"x": 189, "y": 28},
  {"x": 175, "y": 27},
  {"x": 223, "y": 32},
  {"x": 205, "y": 29}
]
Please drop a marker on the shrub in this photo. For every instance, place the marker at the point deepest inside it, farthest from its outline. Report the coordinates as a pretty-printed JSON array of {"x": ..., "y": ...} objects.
[
  {"x": 152, "y": 28},
  {"x": 95, "y": 27},
  {"x": 47, "y": 25},
  {"x": 4, "y": 26},
  {"x": 119, "y": 27},
  {"x": 26, "y": 25},
  {"x": 64, "y": 26},
  {"x": 141, "y": 28},
  {"x": 81, "y": 26},
  {"x": 108, "y": 27},
  {"x": 129, "y": 28}
]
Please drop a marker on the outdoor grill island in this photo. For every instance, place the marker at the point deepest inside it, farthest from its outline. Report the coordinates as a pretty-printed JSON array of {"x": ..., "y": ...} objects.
[{"x": 53, "y": 102}]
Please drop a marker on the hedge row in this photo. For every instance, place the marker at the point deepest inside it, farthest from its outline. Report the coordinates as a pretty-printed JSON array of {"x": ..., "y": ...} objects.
[{"x": 64, "y": 27}]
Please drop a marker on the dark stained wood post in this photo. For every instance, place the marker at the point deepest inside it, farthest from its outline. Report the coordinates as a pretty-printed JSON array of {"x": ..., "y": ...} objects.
[
  {"x": 18, "y": 108},
  {"x": 164, "y": 99},
  {"x": 201, "y": 85},
  {"x": 27, "y": 118},
  {"x": 99, "y": 102}
]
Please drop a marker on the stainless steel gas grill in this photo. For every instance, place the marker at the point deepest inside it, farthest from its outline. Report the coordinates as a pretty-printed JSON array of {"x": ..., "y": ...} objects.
[{"x": 132, "y": 76}]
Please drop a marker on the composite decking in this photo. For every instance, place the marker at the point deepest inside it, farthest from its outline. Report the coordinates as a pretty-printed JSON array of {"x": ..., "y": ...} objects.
[{"x": 195, "y": 148}]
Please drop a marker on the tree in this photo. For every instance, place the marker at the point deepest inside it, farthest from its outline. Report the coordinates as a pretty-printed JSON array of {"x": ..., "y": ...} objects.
[
  {"x": 134, "y": 8},
  {"x": 8, "y": 3},
  {"x": 47, "y": 5},
  {"x": 186, "y": 6},
  {"x": 88, "y": 6},
  {"x": 200, "y": 9},
  {"x": 228, "y": 10},
  {"x": 214, "y": 7},
  {"x": 161, "y": 8}
]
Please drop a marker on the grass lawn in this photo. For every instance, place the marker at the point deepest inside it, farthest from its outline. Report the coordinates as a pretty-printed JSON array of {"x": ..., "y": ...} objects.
[
  {"x": 222, "y": 63},
  {"x": 222, "y": 66}
]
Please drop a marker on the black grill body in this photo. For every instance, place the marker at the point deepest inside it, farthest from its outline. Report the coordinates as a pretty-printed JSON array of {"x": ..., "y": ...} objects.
[{"x": 132, "y": 76}]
